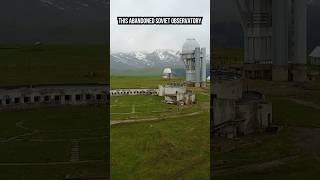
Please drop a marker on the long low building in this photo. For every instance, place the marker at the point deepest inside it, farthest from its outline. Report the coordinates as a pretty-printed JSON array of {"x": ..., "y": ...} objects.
[
  {"x": 59, "y": 94},
  {"x": 134, "y": 92}
]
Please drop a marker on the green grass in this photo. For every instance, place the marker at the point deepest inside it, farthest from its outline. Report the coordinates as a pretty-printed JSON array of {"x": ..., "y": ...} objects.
[
  {"x": 170, "y": 148},
  {"x": 288, "y": 112},
  {"x": 55, "y": 127},
  {"x": 122, "y": 107},
  {"x": 140, "y": 81},
  {"x": 53, "y": 64},
  {"x": 52, "y": 172},
  {"x": 297, "y": 138}
]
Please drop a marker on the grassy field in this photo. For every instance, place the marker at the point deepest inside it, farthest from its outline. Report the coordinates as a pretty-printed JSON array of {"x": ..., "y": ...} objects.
[
  {"x": 140, "y": 81},
  {"x": 37, "y": 143},
  {"x": 292, "y": 152},
  {"x": 50, "y": 64},
  {"x": 173, "y": 147},
  {"x": 43, "y": 137}
]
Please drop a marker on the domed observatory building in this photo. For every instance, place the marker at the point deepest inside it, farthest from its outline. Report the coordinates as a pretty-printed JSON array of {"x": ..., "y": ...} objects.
[
  {"x": 167, "y": 73},
  {"x": 194, "y": 59}
]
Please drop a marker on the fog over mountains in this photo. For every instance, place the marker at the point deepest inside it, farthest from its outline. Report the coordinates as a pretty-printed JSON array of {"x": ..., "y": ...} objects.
[{"x": 159, "y": 58}]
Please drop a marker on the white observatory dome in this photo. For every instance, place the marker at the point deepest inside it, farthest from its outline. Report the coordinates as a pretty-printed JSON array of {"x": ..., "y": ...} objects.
[
  {"x": 189, "y": 46},
  {"x": 167, "y": 71}
]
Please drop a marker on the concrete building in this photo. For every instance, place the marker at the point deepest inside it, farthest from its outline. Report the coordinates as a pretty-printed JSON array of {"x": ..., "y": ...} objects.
[
  {"x": 134, "y": 92},
  {"x": 194, "y": 59},
  {"x": 237, "y": 112},
  {"x": 20, "y": 97},
  {"x": 176, "y": 93},
  {"x": 274, "y": 38},
  {"x": 173, "y": 93},
  {"x": 315, "y": 56}
]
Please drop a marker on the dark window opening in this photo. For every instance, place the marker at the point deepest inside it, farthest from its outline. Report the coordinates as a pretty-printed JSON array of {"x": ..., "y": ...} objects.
[
  {"x": 56, "y": 98},
  {"x": 16, "y": 100},
  {"x": 36, "y": 98},
  {"x": 67, "y": 97},
  {"x": 26, "y": 99},
  {"x": 88, "y": 96},
  {"x": 47, "y": 98},
  {"x": 98, "y": 96},
  {"x": 78, "y": 97},
  {"x": 8, "y": 101}
]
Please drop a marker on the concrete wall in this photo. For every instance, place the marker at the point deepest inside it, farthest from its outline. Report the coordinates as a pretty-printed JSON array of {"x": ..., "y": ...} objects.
[
  {"x": 224, "y": 110},
  {"x": 265, "y": 115},
  {"x": 22, "y": 97},
  {"x": 134, "y": 92},
  {"x": 163, "y": 90},
  {"x": 228, "y": 89}
]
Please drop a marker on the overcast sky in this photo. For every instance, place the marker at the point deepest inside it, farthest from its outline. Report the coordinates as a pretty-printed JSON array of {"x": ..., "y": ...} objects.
[{"x": 148, "y": 38}]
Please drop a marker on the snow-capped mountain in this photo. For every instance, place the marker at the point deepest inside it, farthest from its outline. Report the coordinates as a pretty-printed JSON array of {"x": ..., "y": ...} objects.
[{"x": 143, "y": 59}]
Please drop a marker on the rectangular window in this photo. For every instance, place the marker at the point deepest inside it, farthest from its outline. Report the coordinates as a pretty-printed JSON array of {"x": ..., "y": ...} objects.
[
  {"x": 36, "y": 99},
  {"x": 26, "y": 99},
  {"x": 78, "y": 97}
]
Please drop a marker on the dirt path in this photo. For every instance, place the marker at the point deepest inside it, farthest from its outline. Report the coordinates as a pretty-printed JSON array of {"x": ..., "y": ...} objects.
[
  {"x": 151, "y": 119},
  {"x": 305, "y": 103}
]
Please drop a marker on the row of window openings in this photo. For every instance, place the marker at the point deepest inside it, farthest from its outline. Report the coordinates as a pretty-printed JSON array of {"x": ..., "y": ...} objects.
[
  {"x": 36, "y": 99},
  {"x": 130, "y": 92}
]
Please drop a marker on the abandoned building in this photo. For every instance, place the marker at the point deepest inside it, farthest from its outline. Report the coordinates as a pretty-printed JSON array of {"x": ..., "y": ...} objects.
[
  {"x": 315, "y": 56},
  {"x": 133, "y": 92},
  {"x": 238, "y": 112},
  {"x": 194, "y": 59},
  {"x": 24, "y": 96},
  {"x": 176, "y": 93},
  {"x": 173, "y": 93},
  {"x": 275, "y": 39},
  {"x": 167, "y": 73}
]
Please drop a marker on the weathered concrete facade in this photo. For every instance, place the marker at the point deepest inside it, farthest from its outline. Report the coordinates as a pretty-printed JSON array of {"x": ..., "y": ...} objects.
[
  {"x": 176, "y": 94},
  {"x": 275, "y": 32},
  {"x": 134, "y": 92},
  {"x": 173, "y": 93},
  {"x": 194, "y": 59},
  {"x": 26, "y": 96},
  {"x": 238, "y": 112}
]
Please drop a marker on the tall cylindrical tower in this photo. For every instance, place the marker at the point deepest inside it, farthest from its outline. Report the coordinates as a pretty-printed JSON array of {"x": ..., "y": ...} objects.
[
  {"x": 192, "y": 56},
  {"x": 256, "y": 20},
  {"x": 203, "y": 65},
  {"x": 280, "y": 40},
  {"x": 299, "y": 8}
]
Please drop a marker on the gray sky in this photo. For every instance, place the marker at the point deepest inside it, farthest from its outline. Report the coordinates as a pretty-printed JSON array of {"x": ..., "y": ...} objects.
[{"x": 148, "y": 38}]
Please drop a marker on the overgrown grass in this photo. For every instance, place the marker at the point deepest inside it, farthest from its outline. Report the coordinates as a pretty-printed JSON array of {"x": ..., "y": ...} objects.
[
  {"x": 53, "y": 64},
  {"x": 171, "y": 149},
  {"x": 140, "y": 81}
]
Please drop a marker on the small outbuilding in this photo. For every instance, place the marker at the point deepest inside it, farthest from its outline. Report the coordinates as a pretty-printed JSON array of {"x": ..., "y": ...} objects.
[
  {"x": 315, "y": 56},
  {"x": 167, "y": 73},
  {"x": 176, "y": 93}
]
